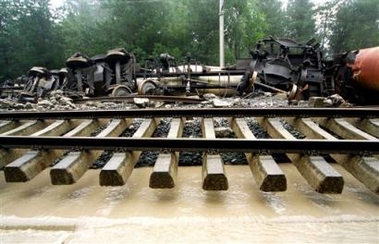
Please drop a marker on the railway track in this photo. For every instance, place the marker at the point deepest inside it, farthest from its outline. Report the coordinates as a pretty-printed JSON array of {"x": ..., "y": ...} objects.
[{"x": 68, "y": 142}]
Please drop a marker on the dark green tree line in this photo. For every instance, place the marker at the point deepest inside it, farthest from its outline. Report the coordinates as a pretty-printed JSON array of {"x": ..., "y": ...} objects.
[
  {"x": 354, "y": 25},
  {"x": 28, "y": 35},
  {"x": 300, "y": 23}
]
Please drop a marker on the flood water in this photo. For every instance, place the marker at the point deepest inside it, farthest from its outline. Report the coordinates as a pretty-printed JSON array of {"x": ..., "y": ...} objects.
[{"x": 134, "y": 213}]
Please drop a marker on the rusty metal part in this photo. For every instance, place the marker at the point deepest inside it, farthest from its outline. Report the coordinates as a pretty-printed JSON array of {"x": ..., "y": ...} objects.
[
  {"x": 354, "y": 75},
  {"x": 270, "y": 87},
  {"x": 366, "y": 68}
]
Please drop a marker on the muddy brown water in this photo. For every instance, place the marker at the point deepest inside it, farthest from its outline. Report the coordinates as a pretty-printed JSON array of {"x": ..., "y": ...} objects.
[{"x": 86, "y": 212}]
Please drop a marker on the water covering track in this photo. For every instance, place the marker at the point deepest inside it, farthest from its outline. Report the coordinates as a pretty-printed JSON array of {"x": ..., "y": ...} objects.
[{"x": 31, "y": 141}]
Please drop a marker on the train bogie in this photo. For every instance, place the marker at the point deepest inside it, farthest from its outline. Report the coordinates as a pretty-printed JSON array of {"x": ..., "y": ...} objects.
[{"x": 283, "y": 63}]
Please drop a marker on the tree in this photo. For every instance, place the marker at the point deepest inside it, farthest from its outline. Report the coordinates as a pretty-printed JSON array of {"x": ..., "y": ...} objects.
[
  {"x": 274, "y": 17},
  {"x": 300, "y": 20},
  {"x": 355, "y": 25},
  {"x": 203, "y": 30},
  {"x": 245, "y": 25},
  {"x": 28, "y": 37},
  {"x": 7, "y": 10},
  {"x": 81, "y": 28}
]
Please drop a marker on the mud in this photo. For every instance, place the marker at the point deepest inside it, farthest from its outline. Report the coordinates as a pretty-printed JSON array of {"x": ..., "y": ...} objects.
[{"x": 86, "y": 212}]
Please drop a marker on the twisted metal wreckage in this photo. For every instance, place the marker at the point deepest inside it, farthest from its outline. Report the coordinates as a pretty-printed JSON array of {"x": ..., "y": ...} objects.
[{"x": 278, "y": 65}]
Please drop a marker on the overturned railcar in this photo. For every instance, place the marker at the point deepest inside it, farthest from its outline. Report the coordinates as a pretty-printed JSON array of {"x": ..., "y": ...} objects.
[
  {"x": 101, "y": 75},
  {"x": 355, "y": 75},
  {"x": 276, "y": 64},
  {"x": 287, "y": 65},
  {"x": 38, "y": 83}
]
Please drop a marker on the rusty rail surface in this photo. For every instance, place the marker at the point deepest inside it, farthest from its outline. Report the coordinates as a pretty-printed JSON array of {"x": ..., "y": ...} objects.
[{"x": 31, "y": 141}]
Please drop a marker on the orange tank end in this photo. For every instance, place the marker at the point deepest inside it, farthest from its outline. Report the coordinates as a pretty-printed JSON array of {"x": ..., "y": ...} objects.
[{"x": 366, "y": 68}]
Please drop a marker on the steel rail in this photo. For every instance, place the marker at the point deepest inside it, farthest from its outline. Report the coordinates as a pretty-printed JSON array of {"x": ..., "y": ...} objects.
[
  {"x": 307, "y": 146},
  {"x": 195, "y": 112}
]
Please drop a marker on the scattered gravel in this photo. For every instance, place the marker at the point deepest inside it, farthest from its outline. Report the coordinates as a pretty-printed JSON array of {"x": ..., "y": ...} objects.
[
  {"x": 148, "y": 158},
  {"x": 58, "y": 102},
  {"x": 260, "y": 133},
  {"x": 297, "y": 134},
  {"x": 192, "y": 129}
]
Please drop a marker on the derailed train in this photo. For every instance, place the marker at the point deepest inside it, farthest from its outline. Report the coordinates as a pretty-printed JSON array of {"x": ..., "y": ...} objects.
[
  {"x": 280, "y": 65},
  {"x": 286, "y": 64},
  {"x": 355, "y": 75},
  {"x": 301, "y": 70}
]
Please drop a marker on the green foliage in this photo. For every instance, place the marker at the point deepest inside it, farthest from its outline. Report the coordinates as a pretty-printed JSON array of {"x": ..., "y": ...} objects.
[
  {"x": 81, "y": 28},
  {"x": 274, "y": 17},
  {"x": 355, "y": 25},
  {"x": 28, "y": 37},
  {"x": 300, "y": 24},
  {"x": 238, "y": 17}
]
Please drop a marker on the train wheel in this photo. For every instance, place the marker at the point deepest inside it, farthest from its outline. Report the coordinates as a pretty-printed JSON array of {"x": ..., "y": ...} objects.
[
  {"x": 121, "y": 91},
  {"x": 27, "y": 97},
  {"x": 293, "y": 93},
  {"x": 146, "y": 87}
]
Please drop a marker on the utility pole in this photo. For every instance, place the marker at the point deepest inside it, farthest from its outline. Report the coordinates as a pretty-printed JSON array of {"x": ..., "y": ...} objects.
[{"x": 221, "y": 15}]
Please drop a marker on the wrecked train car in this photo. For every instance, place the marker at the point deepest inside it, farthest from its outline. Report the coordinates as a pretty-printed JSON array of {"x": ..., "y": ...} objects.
[
  {"x": 276, "y": 64},
  {"x": 355, "y": 75},
  {"x": 165, "y": 76},
  {"x": 117, "y": 74},
  {"x": 287, "y": 65},
  {"x": 39, "y": 82},
  {"x": 100, "y": 75}
]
